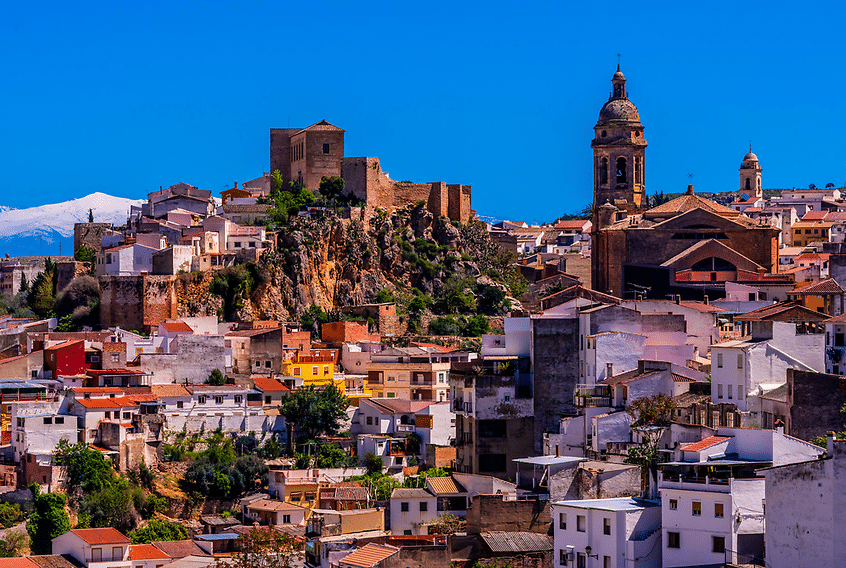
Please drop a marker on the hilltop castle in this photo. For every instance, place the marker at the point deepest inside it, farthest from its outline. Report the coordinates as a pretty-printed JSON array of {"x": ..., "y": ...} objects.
[{"x": 306, "y": 155}]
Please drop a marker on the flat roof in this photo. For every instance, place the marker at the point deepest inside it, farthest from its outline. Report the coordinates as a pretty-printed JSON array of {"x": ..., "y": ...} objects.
[
  {"x": 550, "y": 460},
  {"x": 619, "y": 504},
  {"x": 720, "y": 462}
]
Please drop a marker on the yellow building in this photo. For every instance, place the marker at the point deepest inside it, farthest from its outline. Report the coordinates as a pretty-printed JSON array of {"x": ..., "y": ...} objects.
[
  {"x": 314, "y": 370},
  {"x": 805, "y": 232}
]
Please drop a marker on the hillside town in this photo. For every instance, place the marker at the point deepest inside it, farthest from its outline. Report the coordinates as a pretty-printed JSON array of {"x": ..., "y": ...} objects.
[{"x": 326, "y": 367}]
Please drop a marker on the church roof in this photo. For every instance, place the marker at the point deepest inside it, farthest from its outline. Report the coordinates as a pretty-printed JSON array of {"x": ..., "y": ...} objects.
[
  {"x": 708, "y": 248},
  {"x": 688, "y": 202},
  {"x": 618, "y": 110}
]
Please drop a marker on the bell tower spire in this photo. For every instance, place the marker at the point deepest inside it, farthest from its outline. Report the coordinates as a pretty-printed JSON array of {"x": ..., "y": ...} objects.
[{"x": 619, "y": 152}]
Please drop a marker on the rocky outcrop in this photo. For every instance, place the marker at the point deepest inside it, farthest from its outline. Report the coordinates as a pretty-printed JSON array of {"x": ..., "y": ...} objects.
[{"x": 333, "y": 263}]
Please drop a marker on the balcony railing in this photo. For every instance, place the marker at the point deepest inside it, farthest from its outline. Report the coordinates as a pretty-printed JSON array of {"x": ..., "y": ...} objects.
[{"x": 716, "y": 485}]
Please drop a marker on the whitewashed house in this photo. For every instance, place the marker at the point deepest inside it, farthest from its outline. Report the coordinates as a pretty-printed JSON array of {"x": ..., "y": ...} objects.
[
  {"x": 95, "y": 548},
  {"x": 612, "y": 533},
  {"x": 412, "y": 510},
  {"x": 712, "y": 498}
]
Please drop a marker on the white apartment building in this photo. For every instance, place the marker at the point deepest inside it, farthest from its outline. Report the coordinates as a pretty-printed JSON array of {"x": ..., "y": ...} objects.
[
  {"x": 611, "y": 533},
  {"x": 759, "y": 363},
  {"x": 712, "y": 498}
]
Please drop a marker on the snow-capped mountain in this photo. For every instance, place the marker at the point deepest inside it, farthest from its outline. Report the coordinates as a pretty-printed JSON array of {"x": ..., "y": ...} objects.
[{"x": 43, "y": 229}]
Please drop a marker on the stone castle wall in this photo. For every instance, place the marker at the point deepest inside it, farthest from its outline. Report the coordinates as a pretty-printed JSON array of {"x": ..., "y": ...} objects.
[
  {"x": 89, "y": 234},
  {"x": 137, "y": 302}
]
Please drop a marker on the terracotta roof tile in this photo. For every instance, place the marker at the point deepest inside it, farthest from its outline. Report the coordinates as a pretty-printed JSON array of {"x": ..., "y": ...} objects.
[
  {"x": 176, "y": 327},
  {"x": 145, "y": 552},
  {"x": 267, "y": 384},
  {"x": 369, "y": 555},
  {"x": 170, "y": 390},
  {"x": 17, "y": 562},
  {"x": 106, "y": 535},
  {"x": 703, "y": 444},
  {"x": 443, "y": 485},
  {"x": 177, "y": 549},
  {"x": 827, "y": 286}
]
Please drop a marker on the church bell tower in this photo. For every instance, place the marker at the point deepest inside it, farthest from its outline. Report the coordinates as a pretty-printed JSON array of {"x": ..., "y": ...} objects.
[{"x": 618, "y": 152}]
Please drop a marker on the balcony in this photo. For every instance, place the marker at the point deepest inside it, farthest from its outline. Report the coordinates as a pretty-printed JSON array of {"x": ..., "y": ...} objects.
[
  {"x": 405, "y": 428},
  {"x": 690, "y": 483}
]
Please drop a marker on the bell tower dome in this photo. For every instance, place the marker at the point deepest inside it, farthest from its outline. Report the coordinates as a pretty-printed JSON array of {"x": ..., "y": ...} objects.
[
  {"x": 618, "y": 151},
  {"x": 750, "y": 176}
]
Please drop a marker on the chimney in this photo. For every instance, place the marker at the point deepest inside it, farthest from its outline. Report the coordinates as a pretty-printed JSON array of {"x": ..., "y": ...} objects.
[
  {"x": 829, "y": 443},
  {"x": 236, "y": 184},
  {"x": 705, "y": 300},
  {"x": 609, "y": 370},
  {"x": 678, "y": 299},
  {"x": 690, "y": 189}
]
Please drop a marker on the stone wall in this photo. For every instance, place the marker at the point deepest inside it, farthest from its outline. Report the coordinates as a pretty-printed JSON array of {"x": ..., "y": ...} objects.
[
  {"x": 137, "y": 302},
  {"x": 555, "y": 364},
  {"x": 495, "y": 513},
  {"x": 815, "y": 400},
  {"x": 89, "y": 234},
  {"x": 67, "y": 270}
]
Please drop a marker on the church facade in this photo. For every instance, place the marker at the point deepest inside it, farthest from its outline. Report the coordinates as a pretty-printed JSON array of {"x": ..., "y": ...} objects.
[{"x": 689, "y": 246}]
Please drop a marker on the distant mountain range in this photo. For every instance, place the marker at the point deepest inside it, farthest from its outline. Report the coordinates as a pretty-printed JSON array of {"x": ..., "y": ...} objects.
[{"x": 48, "y": 229}]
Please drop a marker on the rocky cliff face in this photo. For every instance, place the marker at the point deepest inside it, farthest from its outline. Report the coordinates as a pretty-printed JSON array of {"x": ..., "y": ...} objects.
[{"x": 332, "y": 263}]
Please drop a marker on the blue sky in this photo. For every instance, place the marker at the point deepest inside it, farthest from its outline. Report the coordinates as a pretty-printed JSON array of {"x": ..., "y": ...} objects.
[{"x": 125, "y": 97}]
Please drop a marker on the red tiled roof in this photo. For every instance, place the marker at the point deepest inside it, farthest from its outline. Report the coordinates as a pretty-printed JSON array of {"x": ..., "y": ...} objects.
[
  {"x": 17, "y": 562},
  {"x": 369, "y": 555},
  {"x": 176, "y": 327},
  {"x": 114, "y": 346},
  {"x": 267, "y": 384},
  {"x": 626, "y": 377},
  {"x": 703, "y": 444},
  {"x": 827, "y": 286},
  {"x": 145, "y": 552},
  {"x": 170, "y": 390},
  {"x": 812, "y": 256},
  {"x": 682, "y": 379},
  {"x": 107, "y": 535},
  {"x": 97, "y": 390},
  {"x": 814, "y": 216},
  {"x": 117, "y": 402},
  {"x": 784, "y": 311}
]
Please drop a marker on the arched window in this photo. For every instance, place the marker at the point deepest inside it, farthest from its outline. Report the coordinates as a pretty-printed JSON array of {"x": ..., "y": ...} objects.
[
  {"x": 404, "y": 419},
  {"x": 618, "y": 90},
  {"x": 747, "y": 184},
  {"x": 637, "y": 170},
  {"x": 621, "y": 170},
  {"x": 603, "y": 171}
]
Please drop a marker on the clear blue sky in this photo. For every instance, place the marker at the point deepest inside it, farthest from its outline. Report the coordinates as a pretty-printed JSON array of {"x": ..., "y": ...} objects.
[{"x": 124, "y": 97}]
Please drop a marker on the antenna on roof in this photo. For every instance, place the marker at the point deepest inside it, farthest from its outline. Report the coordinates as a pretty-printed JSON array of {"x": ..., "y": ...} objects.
[
  {"x": 618, "y": 62},
  {"x": 750, "y": 145}
]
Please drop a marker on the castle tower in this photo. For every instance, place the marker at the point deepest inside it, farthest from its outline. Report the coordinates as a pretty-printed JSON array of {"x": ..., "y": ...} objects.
[
  {"x": 618, "y": 152},
  {"x": 750, "y": 176}
]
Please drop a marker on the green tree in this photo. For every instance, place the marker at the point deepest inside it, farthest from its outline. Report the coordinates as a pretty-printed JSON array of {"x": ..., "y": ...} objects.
[
  {"x": 10, "y": 514},
  {"x": 42, "y": 293},
  {"x": 48, "y": 520},
  {"x": 315, "y": 413},
  {"x": 477, "y": 326},
  {"x": 216, "y": 378},
  {"x": 158, "y": 530},
  {"x": 332, "y": 187},
  {"x": 112, "y": 506},
  {"x": 24, "y": 285},
  {"x": 266, "y": 548},
  {"x": 87, "y": 468},
  {"x": 446, "y": 523},
  {"x": 384, "y": 296},
  {"x": 331, "y": 455},
  {"x": 85, "y": 254},
  {"x": 373, "y": 463},
  {"x": 90, "y": 215},
  {"x": 651, "y": 416}
]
